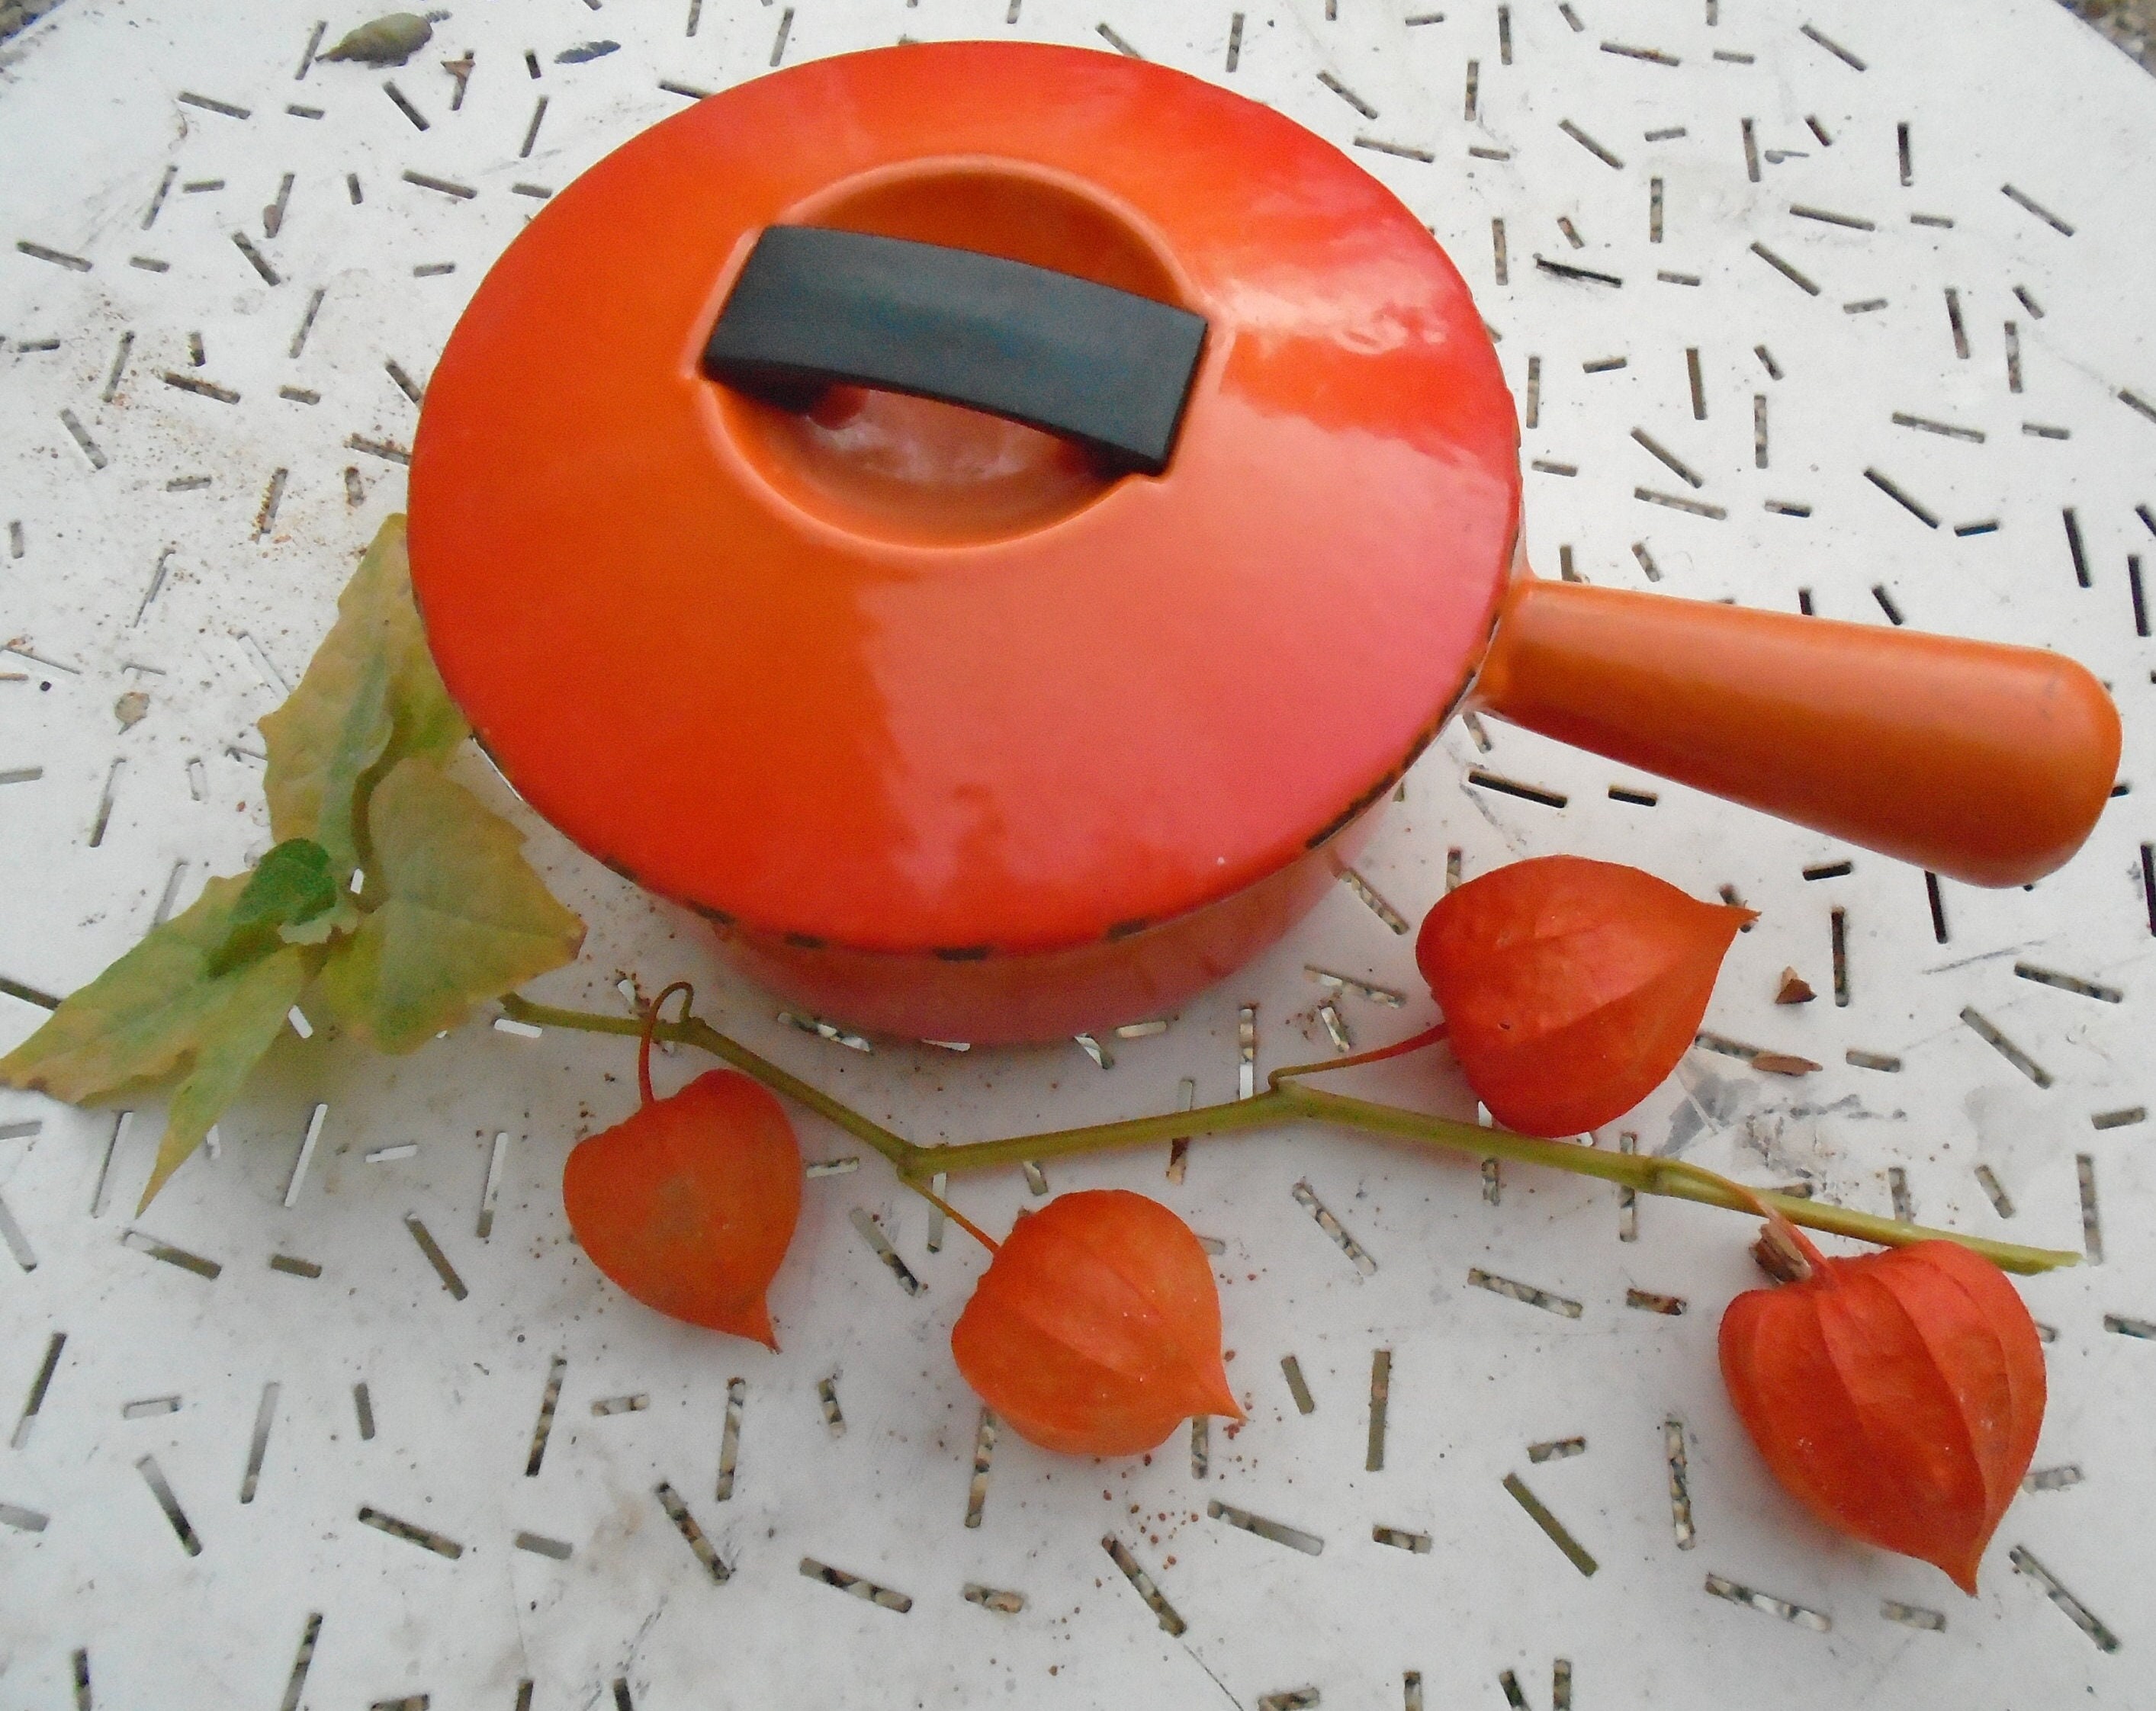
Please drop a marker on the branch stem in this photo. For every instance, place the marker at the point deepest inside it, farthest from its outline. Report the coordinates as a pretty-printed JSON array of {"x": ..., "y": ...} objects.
[
  {"x": 1671, "y": 1178},
  {"x": 696, "y": 1031},
  {"x": 1288, "y": 1100},
  {"x": 1266, "y": 1110}
]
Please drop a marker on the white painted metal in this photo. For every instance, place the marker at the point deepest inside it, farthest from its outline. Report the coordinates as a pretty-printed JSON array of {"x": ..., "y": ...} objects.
[{"x": 121, "y": 583}]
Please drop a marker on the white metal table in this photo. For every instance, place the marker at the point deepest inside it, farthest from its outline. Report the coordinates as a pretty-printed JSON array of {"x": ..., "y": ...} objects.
[{"x": 1821, "y": 304}]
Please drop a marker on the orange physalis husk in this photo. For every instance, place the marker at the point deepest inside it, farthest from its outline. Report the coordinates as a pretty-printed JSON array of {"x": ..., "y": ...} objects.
[
  {"x": 689, "y": 1204},
  {"x": 1095, "y": 1330},
  {"x": 1896, "y": 1396},
  {"x": 1570, "y": 988}
]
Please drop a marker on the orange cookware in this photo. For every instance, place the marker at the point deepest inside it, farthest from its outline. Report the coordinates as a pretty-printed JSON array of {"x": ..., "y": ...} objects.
[{"x": 984, "y": 523}]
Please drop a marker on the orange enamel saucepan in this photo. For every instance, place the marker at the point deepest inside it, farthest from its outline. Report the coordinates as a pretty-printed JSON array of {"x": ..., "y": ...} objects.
[{"x": 984, "y": 523}]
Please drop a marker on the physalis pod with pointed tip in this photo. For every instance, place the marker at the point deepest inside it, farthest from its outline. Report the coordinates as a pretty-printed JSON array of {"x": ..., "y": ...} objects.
[
  {"x": 1896, "y": 1396},
  {"x": 1571, "y": 987},
  {"x": 688, "y": 1203},
  {"x": 1096, "y": 1329}
]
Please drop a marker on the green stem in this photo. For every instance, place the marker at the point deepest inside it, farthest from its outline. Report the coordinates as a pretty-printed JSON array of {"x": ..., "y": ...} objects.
[
  {"x": 1287, "y": 1101},
  {"x": 1266, "y": 1108},
  {"x": 1671, "y": 1178}
]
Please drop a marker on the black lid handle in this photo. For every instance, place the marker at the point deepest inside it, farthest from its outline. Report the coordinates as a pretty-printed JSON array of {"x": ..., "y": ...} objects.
[{"x": 814, "y": 307}]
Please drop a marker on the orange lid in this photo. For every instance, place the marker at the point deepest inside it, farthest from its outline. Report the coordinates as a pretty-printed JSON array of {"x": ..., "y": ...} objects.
[{"x": 899, "y": 675}]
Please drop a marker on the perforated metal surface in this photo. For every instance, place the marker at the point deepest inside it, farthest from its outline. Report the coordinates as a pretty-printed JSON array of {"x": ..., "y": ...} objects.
[{"x": 184, "y": 539}]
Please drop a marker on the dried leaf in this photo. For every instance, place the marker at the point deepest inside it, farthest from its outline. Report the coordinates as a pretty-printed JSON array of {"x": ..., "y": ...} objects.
[
  {"x": 165, "y": 1007},
  {"x": 1095, "y": 1330},
  {"x": 1570, "y": 987},
  {"x": 1794, "y": 989},
  {"x": 460, "y": 917},
  {"x": 233, "y": 1037},
  {"x": 1782, "y": 1064},
  {"x": 463, "y": 918},
  {"x": 389, "y": 40},
  {"x": 689, "y": 1204},
  {"x": 1896, "y": 1396},
  {"x": 371, "y": 698},
  {"x": 136, "y": 1021}
]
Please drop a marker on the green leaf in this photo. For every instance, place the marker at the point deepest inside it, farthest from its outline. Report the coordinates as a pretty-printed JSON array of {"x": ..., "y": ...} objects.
[
  {"x": 370, "y": 699},
  {"x": 463, "y": 918},
  {"x": 290, "y": 887},
  {"x": 291, "y": 884},
  {"x": 162, "y": 1008}
]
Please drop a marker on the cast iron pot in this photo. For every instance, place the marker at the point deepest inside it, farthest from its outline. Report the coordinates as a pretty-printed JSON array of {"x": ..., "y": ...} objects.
[{"x": 987, "y": 525}]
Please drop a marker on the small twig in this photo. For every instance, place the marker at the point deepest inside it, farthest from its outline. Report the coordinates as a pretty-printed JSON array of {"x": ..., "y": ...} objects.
[
  {"x": 651, "y": 1021},
  {"x": 1780, "y": 1261},
  {"x": 1413, "y": 1043},
  {"x": 1784, "y": 1252},
  {"x": 955, "y": 1215}
]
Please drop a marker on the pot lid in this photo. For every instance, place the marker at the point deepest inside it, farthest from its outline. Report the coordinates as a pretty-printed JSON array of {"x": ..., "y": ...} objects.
[{"x": 861, "y": 667}]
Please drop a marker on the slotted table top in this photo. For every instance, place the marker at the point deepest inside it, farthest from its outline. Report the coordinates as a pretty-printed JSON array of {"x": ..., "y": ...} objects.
[{"x": 1876, "y": 279}]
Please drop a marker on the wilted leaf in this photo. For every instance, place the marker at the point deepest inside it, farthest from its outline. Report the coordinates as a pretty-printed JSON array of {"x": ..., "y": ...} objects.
[
  {"x": 161, "y": 1009},
  {"x": 371, "y": 697},
  {"x": 463, "y": 918},
  {"x": 352, "y": 761},
  {"x": 389, "y": 40},
  {"x": 136, "y": 1022},
  {"x": 252, "y": 1008}
]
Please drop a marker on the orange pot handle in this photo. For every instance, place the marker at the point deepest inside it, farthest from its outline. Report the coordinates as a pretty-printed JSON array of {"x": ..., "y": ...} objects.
[{"x": 1986, "y": 763}]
